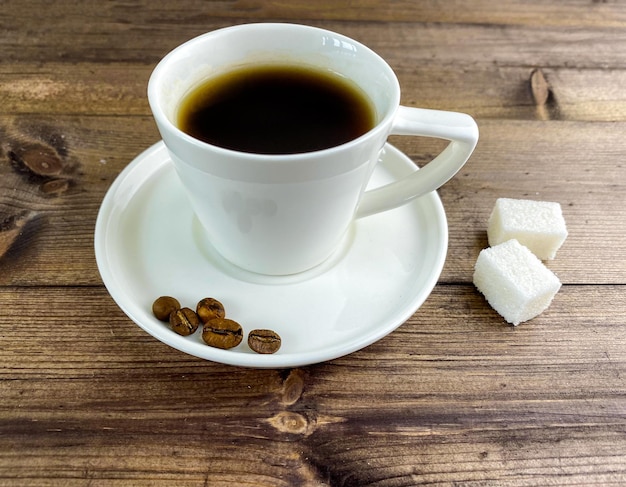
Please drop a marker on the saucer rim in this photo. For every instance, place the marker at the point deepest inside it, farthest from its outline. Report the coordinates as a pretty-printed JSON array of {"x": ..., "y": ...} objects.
[{"x": 250, "y": 360}]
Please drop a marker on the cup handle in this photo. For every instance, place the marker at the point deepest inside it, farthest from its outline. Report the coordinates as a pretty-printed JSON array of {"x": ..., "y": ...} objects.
[{"x": 462, "y": 132}]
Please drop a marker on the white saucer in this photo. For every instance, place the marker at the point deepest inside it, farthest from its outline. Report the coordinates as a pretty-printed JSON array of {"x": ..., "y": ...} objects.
[{"x": 148, "y": 243}]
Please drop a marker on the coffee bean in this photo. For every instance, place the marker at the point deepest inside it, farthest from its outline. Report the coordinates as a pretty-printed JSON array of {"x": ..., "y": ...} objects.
[
  {"x": 163, "y": 306},
  {"x": 184, "y": 321},
  {"x": 222, "y": 333},
  {"x": 264, "y": 341},
  {"x": 209, "y": 308}
]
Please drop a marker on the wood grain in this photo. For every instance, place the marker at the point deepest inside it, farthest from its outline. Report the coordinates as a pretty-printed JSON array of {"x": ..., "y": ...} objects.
[
  {"x": 487, "y": 92},
  {"x": 462, "y": 401},
  {"x": 454, "y": 397}
]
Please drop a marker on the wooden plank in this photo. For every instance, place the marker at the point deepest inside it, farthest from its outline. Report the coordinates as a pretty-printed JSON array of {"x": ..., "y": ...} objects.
[
  {"x": 118, "y": 33},
  {"x": 120, "y": 89},
  {"x": 484, "y": 91},
  {"x": 454, "y": 390},
  {"x": 581, "y": 332},
  {"x": 571, "y": 13},
  {"x": 47, "y": 228}
]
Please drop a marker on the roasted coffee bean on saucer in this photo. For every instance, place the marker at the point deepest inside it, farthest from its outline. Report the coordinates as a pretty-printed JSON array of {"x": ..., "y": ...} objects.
[
  {"x": 210, "y": 308},
  {"x": 264, "y": 341},
  {"x": 163, "y": 306},
  {"x": 184, "y": 321},
  {"x": 222, "y": 333}
]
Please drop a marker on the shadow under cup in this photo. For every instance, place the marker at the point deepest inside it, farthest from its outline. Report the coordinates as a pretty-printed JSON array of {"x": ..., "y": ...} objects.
[{"x": 273, "y": 214}]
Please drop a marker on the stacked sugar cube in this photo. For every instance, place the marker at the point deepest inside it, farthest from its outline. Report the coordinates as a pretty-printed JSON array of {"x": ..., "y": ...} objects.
[
  {"x": 538, "y": 225},
  {"x": 510, "y": 273}
]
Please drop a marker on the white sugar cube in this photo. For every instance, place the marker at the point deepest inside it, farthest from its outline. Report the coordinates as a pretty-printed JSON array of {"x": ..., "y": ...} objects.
[
  {"x": 538, "y": 225},
  {"x": 514, "y": 281}
]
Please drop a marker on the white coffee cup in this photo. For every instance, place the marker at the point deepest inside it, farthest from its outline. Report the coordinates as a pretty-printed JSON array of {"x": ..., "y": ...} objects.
[{"x": 283, "y": 214}]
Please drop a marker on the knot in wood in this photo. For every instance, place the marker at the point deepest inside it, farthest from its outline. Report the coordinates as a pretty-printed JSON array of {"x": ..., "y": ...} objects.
[
  {"x": 539, "y": 87},
  {"x": 293, "y": 387},
  {"x": 290, "y": 422},
  {"x": 55, "y": 187},
  {"x": 38, "y": 159},
  {"x": 42, "y": 161}
]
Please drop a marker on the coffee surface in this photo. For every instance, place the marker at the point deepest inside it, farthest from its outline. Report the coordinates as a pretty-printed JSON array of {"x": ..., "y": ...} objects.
[{"x": 276, "y": 109}]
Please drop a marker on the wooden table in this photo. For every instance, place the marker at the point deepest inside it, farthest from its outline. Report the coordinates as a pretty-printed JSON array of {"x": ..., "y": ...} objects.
[{"x": 455, "y": 396}]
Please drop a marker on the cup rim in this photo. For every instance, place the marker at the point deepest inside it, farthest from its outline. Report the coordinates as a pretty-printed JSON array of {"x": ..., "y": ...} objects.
[{"x": 165, "y": 122}]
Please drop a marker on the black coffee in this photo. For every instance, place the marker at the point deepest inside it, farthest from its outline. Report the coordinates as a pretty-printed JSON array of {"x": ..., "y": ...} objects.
[{"x": 276, "y": 109}]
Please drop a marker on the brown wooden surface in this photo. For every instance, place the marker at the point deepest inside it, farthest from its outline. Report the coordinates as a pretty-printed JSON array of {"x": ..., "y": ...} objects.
[{"x": 454, "y": 397}]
